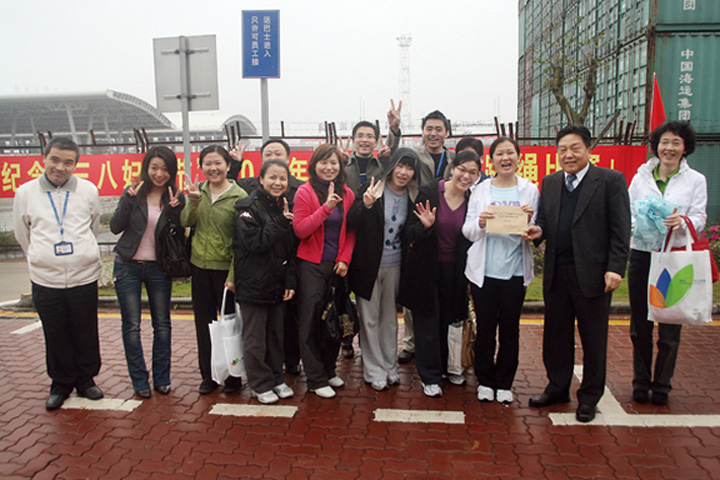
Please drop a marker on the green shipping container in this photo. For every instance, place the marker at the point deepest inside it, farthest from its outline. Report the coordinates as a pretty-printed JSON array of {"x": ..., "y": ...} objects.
[
  {"x": 690, "y": 14},
  {"x": 687, "y": 71}
]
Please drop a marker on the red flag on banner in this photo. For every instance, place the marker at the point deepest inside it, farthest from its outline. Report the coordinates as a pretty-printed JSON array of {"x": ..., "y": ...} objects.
[{"x": 657, "y": 114}]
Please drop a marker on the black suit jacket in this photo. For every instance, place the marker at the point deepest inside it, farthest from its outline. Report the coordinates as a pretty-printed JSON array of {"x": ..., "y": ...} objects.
[{"x": 600, "y": 227}]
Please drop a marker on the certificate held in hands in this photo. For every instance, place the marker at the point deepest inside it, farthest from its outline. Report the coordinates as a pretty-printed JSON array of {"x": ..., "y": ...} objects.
[{"x": 509, "y": 220}]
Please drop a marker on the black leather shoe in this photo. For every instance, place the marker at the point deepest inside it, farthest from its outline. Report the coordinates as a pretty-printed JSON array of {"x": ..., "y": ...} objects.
[
  {"x": 585, "y": 413},
  {"x": 348, "y": 352},
  {"x": 233, "y": 384},
  {"x": 641, "y": 396},
  {"x": 54, "y": 401},
  {"x": 405, "y": 357},
  {"x": 207, "y": 386},
  {"x": 143, "y": 393},
  {"x": 659, "y": 398},
  {"x": 543, "y": 400},
  {"x": 293, "y": 369},
  {"x": 164, "y": 389},
  {"x": 92, "y": 393}
]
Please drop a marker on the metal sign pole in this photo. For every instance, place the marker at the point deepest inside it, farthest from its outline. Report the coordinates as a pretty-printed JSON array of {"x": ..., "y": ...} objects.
[
  {"x": 265, "y": 109},
  {"x": 185, "y": 101}
]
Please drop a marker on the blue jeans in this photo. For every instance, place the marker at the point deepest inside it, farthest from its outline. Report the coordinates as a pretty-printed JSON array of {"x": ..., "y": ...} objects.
[{"x": 128, "y": 279}]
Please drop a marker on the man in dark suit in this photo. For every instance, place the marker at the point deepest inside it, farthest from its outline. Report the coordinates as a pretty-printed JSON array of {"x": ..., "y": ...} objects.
[{"x": 584, "y": 217}]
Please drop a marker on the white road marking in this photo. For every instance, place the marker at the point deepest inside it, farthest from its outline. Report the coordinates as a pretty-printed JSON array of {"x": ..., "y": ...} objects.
[
  {"x": 611, "y": 413},
  {"x": 102, "y": 404},
  {"x": 238, "y": 410},
  {"x": 27, "y": 328},
  {"x": 418, "y": 416}
]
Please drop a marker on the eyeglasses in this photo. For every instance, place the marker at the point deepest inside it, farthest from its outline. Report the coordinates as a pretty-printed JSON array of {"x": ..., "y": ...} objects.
[
  {"x": 464, "y": 170},
  {"x": 362, "y": 136}
]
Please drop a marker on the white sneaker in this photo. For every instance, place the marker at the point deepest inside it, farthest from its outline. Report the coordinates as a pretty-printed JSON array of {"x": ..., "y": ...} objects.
[
  {"x": 485, "y": 394},
  {"x": 393, "y": 379},
  {"x": 504, "y": 396},
  {"x": 379, "y": 385},
  {"x": 456, "y": 379},
  {"x": 433, "y": 390},
  {"x": 283, "y": 391},
  {"x": 336, "y": 382},
  {"x": 266, "y": 398},
  {"x": 324, "y": 392}
]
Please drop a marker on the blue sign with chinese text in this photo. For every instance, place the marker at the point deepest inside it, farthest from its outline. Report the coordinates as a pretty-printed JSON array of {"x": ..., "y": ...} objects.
[{"x": 261, "y": 43}]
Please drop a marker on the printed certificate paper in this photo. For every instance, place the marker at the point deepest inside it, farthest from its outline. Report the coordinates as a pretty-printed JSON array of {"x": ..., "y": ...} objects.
[{"x": 511, "y": 220}]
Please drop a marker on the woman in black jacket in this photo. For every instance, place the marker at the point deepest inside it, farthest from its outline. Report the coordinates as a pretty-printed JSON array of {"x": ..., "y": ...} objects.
[
  {"x": 142, "y": 213},
  {"x": 265, "y": 248},
  {"x": 433, "y": 284},
  {"x": 379, "y": 215}
]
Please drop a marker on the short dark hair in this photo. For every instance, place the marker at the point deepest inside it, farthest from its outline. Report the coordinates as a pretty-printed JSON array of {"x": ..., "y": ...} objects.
[
  {"x": 436, "y": 114},
  {"x": 63, "y": 143},
  {"x": 171, "y": 163},
  {"x": 571, "y": 129},
  {"x": 365, "y": 123},
  {"x": 681, "y": 129},
  {"x": 502, "y": 140},
  {"x": 470, "y": 142},
  {"x": 273, "y": 161},
  {"x": 217, "y": 149},
  {"x": 464, "y": 157},
  {"x": 276, "y": 140}
]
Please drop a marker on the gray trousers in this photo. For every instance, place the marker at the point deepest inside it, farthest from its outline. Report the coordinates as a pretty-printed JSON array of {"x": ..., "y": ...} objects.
[
  {"x": 262, "y": 338},
  {"x": 378, "y": 326},
  {"x": 408, "y": 332}
]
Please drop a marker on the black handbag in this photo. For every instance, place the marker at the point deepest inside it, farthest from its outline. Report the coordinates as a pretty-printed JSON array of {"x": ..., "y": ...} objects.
[
  {"x": 329, "y": 318},
  {"x": 340, "y": 315},
  {"x": 174, "y": 259}
]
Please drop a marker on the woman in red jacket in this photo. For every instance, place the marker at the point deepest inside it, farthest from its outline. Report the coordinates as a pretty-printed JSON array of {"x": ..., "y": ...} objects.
[{"x": 325, "y": 249}]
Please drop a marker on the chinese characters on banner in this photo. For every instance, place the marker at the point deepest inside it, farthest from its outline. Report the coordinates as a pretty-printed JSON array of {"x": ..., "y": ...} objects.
[
  {"x": 113, "y": 173},
  {"x": 685, "y": 84}
]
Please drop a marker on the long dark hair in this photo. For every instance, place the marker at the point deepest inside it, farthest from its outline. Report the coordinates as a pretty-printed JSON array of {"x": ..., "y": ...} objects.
[
  {"x": 324, "y": 151},
  {"x": 171, "y": 163}
]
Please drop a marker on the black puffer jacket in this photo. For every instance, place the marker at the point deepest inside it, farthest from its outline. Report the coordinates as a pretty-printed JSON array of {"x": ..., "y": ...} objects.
[
  {"x": 130, "y": 219},
  {"x": 265, "y": 248}
]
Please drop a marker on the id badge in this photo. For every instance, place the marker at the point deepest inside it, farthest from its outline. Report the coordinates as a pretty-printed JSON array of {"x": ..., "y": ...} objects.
[{"x": 63, "y": 248}]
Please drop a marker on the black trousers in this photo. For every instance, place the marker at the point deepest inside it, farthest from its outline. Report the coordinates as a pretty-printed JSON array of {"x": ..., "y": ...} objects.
[
  {"x": 564, "y": 302},
  {"x": 431, "y": 328},
  {"x": 498, "y": 305},
  {"x": 319, "y": 355},
  {"x": 70, "y": 324},
  {"x": 641, "y": 332},
  {"x": 291, "y": 341},
  {"x": 207, "y": 291}
]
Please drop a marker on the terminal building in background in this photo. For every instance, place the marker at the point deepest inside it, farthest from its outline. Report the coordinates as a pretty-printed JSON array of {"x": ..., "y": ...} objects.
[{"x": 678, "y": 40}]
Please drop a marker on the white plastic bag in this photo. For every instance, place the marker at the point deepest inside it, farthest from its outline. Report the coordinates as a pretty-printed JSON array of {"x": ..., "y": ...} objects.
[
  {"x": 680, "y": 286},
  {"x": 226, "y": 339}
]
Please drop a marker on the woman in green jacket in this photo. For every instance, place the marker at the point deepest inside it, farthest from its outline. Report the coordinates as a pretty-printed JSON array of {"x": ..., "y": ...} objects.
[{"x": 210, "y": 211}]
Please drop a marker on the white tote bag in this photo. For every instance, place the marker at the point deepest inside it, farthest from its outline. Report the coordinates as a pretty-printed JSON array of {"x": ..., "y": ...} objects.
[
  {"x": 680, "y": 286},
  {"x": 226, "y": 340}
]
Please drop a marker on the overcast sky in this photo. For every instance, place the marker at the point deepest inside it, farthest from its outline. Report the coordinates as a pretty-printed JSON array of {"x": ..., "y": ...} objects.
[{"x": 339, "y": 59}]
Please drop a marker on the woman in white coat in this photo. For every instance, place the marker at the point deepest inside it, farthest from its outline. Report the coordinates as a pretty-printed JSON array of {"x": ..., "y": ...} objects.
[
  {"x": 668, "y": 177},
  {"x": 499, "y": 267}
]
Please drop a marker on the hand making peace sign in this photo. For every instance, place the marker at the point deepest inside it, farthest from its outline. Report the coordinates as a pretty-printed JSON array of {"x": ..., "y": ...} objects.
[
  {"x": 238, "y": 151},
  {"x": 384, "y": 149},
  {"x": 393, "y": 115},
  {"x": 333, "y": 198},
  {"x": 286, "y": 210},
  {"x": 134, "y": 189},
  {"x": 372, "y": 193},
  {"x": 192, "y": 188},
  {"x": 174, "y": 200}
]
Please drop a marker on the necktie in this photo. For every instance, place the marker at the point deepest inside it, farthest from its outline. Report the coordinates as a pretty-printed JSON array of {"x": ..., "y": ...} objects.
[{"x": 569, "y": 182}]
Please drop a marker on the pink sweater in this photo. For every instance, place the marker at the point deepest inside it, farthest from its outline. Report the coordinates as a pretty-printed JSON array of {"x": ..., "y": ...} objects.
[{"x": 309, "y": 225}]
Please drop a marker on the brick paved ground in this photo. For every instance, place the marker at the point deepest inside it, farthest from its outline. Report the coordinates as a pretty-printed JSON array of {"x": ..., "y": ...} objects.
[{"x": 175, "y": 436}]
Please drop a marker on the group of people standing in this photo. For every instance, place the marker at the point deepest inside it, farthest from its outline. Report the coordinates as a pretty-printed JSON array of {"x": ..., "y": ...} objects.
[{"x": 407, "y": 227}]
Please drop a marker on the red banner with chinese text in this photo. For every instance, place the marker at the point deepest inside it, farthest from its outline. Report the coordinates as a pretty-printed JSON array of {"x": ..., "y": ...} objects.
[{"x": 112, "y": 173}]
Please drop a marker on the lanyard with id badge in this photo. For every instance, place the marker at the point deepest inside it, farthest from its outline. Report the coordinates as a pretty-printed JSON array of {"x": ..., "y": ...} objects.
[{"x": 62, "y": 247}]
